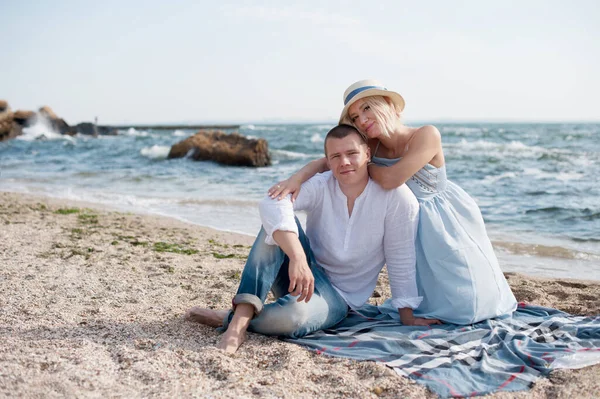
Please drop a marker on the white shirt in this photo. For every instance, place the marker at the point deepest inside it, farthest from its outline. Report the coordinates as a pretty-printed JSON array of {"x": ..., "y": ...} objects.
[{"x": 354, "y": 249}]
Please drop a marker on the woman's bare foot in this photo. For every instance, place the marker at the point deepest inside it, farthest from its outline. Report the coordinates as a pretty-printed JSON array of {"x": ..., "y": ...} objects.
[
  {"x": 209, "y": 317},
  {"x": 231, "y": 341}
]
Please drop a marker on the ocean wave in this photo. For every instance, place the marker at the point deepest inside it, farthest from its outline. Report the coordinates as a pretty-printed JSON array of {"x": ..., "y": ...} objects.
[
  {"x": 538, "y": 193},
  {"x": 285, "y": 155},
  {"x": 180, "y": 133},
  {"x": 514, "y": 149},
  {"x": 316, "y": 138},
  {"x": 587, "y": 216},
  {"x": 261, "y": 127},
  {"x": 562, "y": 176},
  {"x": 463, "y": 130},
  {"x": 567, "y": 214},
  {"x": 156, "y": 151},
  {"x": 219, "y": 202},
  {"x": 324, "y": 127},
  {"x": 545, "y": 251},
  {"x": 535, "y": 173},
  {"x": 42, "y": 130},
  {"x": 580, "y": 239},
  {"x": 496, "y": 178},
  {"x": 134, "y": 132}
]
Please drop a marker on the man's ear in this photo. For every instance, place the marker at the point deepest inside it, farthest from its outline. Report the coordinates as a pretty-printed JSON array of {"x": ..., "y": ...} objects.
[
  {"x": 327, "y": 160},
  {"x": 369, "y": 153}
]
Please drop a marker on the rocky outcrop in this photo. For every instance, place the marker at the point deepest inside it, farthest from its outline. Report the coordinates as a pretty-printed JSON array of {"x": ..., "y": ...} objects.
[
  {"x": 47, "y": 112},
  {"x": 8, "y": 128},
  {"x": 12, "y": 123},
  {"x": 24, "y": 118},
  {"x": 90, "y": 129},
  {"x": 228, "y": 149},
  {"x": 57, "y": 124}
]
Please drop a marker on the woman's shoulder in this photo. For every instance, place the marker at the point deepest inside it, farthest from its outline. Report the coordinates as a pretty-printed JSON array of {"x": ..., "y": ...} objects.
[
  {"x": 427, "y": 134},
  {"x": 427, "y": 130}
]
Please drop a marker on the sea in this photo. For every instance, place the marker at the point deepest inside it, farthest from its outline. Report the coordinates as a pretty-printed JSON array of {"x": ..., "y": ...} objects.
[{"x": 537, "y": 184}]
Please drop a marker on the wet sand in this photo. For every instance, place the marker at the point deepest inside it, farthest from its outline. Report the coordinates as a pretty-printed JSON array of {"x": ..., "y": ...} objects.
[{"x": 91, "y": 305}]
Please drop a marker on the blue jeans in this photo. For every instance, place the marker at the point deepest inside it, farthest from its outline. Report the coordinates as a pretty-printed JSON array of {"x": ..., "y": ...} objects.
[{"x": 267, "y": 270}]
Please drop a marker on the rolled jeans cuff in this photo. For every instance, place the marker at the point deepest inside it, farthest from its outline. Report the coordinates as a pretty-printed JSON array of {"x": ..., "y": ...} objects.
[{"x": 250, "y": 299}]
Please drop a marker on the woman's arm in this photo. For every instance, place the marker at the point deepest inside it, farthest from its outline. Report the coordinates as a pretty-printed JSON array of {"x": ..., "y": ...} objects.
[
  {"x": 424, "y": 146},
  {"x": 292, "y": 185}
]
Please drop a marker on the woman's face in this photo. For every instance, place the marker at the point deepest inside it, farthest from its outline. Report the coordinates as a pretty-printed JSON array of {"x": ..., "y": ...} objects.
[{"x": 363, "y": 117}]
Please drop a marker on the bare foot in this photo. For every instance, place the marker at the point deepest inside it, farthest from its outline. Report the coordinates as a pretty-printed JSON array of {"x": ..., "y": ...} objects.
[
  {"x": 209, "y": 317},
  {"x": 231, "y": 341}
]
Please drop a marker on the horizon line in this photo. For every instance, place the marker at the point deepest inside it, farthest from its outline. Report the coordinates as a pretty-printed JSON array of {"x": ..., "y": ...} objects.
[{"x": 333, "y": 123}]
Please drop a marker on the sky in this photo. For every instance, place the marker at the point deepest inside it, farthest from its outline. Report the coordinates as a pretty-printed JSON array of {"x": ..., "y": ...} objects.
[{"x": 279, "y": 61}]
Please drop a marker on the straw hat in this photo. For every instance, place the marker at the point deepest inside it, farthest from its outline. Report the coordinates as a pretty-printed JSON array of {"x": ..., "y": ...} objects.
[{"x": 367, "y": 88}]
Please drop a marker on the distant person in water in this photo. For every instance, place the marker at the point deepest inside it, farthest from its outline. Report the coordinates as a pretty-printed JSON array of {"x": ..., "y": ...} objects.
[
  {"x": 457, "y": 271},
  {"x": 318, "y": 275}
]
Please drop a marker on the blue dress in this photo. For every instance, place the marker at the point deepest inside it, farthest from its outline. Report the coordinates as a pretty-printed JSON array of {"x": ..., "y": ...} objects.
[{"x": 458, "y": 273}]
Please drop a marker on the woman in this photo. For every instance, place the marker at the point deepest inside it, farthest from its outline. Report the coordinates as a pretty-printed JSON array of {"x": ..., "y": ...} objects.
[{"x": 457, "y": 271}]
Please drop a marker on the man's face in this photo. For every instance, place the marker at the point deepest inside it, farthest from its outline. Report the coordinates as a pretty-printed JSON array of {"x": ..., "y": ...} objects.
[{"x": 347, "y": 159}]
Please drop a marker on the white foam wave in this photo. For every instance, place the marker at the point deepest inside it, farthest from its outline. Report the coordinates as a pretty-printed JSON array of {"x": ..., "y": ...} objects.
[
  {"x": 265, "y": 128},
  {"x": 494, "y": 179},
  {"x": 218, "y": 202},
  {"x": 562, "y": 176},
  {"x": 156, "y": 151},
  {"x": 514, "y": 148},
  {"x": 283, "y": 154},
  {"x": 324, "y": 127},
  {"x": 179, "y": 133},
  {"x": 316, "y": 138},
  {"x": 134, "y": 132},
  {"x": 462, "y": 130},
  {"x": 42, "y": 130}
]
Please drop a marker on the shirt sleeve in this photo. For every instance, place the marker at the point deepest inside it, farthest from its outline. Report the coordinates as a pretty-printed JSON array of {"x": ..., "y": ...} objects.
[
  {"x": 401, "y": 223},
  {"x": 279, "y": 214}
]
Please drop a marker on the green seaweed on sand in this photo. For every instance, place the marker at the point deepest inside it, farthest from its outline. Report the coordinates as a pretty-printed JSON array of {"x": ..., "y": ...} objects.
[
  {"x": 88, "y": 218},
  {"x": 66, "y": 211},
  {"x": 175, "y": 248}
]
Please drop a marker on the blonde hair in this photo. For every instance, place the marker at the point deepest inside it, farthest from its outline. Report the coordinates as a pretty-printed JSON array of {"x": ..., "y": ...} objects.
[{"x": 386, "y": 112}]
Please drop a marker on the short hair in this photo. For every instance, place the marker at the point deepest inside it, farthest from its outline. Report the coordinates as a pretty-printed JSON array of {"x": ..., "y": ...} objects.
[
  {"x": 386, "y": 113},
  {"x": 340, "y": 131}
]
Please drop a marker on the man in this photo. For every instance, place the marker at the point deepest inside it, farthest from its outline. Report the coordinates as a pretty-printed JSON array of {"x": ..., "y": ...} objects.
[{"x": 354, "y": 228}]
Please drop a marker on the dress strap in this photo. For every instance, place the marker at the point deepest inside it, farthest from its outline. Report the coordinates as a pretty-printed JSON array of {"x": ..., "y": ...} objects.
[{"x": 376, "y": 148}]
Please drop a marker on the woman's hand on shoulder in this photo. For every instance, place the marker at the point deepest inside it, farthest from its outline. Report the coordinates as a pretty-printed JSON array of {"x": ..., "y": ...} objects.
[{"x": 285, "y": 187}]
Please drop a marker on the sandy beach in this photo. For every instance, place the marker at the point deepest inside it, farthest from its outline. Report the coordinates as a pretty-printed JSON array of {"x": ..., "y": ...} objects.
[{"x": 91, "y": 305}]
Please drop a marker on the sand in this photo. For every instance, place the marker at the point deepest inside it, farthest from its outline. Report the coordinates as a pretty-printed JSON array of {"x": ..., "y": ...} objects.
[{"x": 91, "y": 305}]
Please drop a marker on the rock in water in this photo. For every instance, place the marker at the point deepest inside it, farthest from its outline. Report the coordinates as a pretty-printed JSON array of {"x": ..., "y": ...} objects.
[{"x": 228, "y": 149}]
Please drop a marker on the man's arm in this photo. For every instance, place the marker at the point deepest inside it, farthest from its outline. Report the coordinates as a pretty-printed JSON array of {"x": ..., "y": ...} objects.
[
  {"x": 279, "y": 222},
  {"x": 302, "y": 281}
]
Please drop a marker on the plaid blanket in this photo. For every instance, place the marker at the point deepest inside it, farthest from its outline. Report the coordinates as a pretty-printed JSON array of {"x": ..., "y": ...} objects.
[{"x": 502, "y": 354}]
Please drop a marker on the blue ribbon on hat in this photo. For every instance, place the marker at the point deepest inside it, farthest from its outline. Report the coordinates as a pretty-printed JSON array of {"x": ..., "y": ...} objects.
[{"x": 360, "y": 90}]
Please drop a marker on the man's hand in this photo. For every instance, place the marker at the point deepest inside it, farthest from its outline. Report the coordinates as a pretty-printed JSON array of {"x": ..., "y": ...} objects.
[{"x": 302, "y": 281}]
